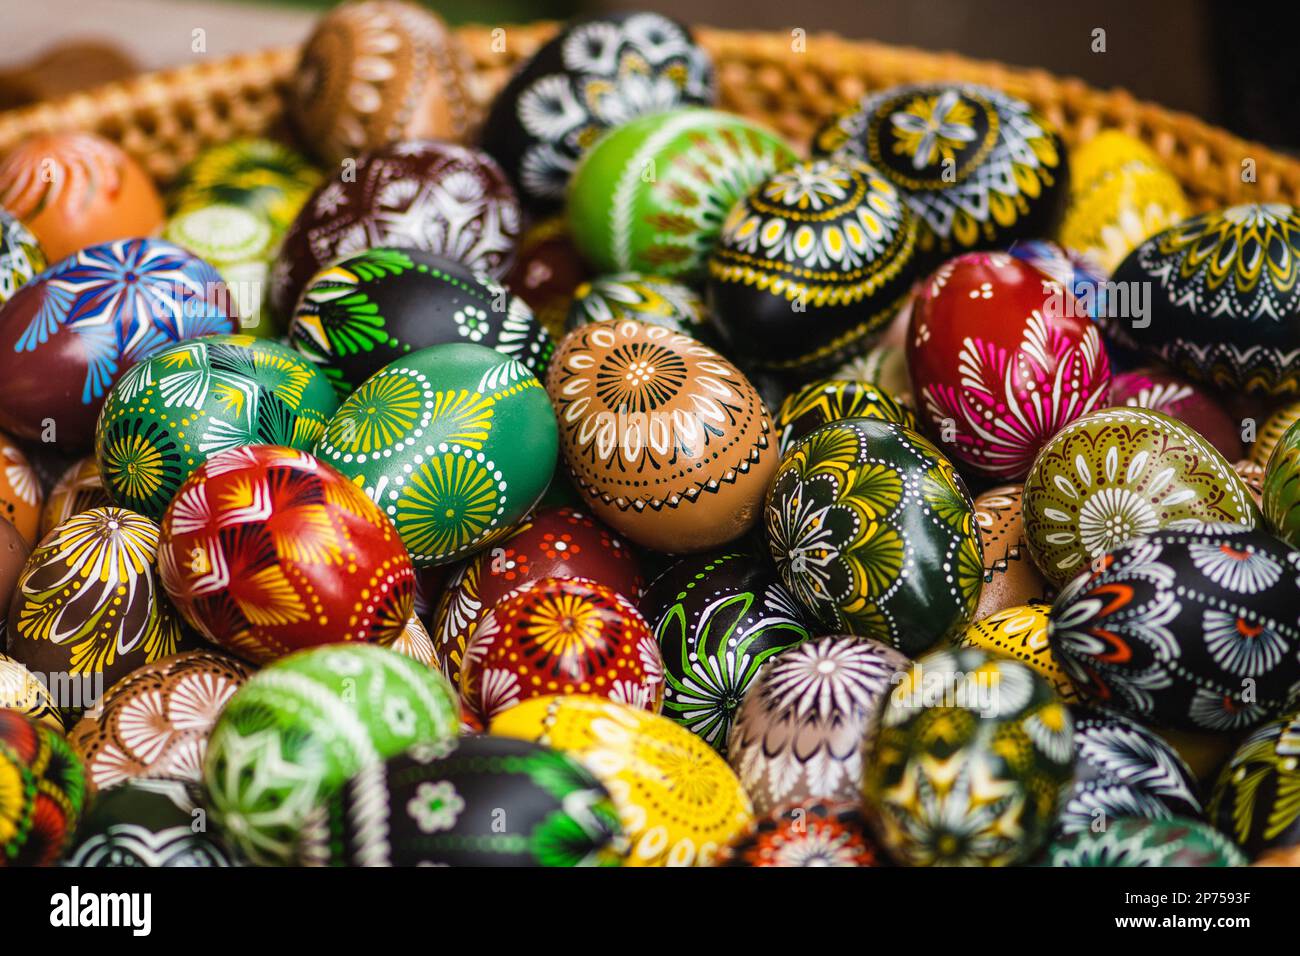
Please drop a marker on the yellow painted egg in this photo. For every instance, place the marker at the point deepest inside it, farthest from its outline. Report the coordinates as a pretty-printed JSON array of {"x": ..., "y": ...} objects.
[{"x": 1021, "y": 632}]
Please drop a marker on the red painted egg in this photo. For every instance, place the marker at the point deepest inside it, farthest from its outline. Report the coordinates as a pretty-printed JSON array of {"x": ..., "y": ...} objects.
[
  {"x": 1001, "y": 358},
  {"x": 1191, "y": 404},
  {"x": 554, "y": 542},
  {"x": 561, "y": 636},
  {"x": 266, "y": 551}
]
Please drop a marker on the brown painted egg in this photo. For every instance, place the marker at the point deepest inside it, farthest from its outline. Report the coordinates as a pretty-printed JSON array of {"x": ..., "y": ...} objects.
[
  {"x": 78, "y": 189},
  {"x": 1191, "y": 404},
  {"x": 377, "y": 72},
  {"x": 1021, "y": 632},
  {"x": 667, "y": 440},
  {"x": 547, "y": 271},
  {"x": 14, "y": 551},
  {"x": 79, "y": 489},
  {"x": 21, "y": 495},
  {"x": 20, "y": 690},
  {"x": 88, "y": 609},
  {"x": 156, "y": 721},
  {"x": 1010, "y": 576},
  {"x": 1253, "y": 476}
]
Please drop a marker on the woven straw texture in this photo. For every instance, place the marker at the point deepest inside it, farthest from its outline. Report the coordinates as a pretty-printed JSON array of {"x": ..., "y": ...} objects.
[{"x": 793, "y": 83}]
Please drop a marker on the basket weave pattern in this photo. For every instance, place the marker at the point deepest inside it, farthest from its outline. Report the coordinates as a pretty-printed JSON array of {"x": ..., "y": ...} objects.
[{"x": 164, "y": 119}]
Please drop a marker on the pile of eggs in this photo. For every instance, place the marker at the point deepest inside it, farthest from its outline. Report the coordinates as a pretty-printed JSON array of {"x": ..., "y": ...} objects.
[{"x": 601, "y": 479}]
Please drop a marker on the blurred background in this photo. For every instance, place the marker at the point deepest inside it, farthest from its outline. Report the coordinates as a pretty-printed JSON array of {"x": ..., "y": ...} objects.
[{"x": 1202, "y": 56}]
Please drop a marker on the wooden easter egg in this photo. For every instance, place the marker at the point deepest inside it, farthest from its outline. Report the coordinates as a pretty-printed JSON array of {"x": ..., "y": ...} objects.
[
  {"x": 147, "y": 823},
  {"x": 1181, "y": 400},
  {"x": 631, "y": 295},
  {"x": 1224, "y": 300},
  {"x": 155, "y": 722},
  {"x": 547, "y": 272},
  {"x": 21, "y": 256},
  {"x": 813, "y": 261},
  {"x": 1121, "y": 473},
  {"x": 455, "y": 443},
  {"x": 1001, "y": 360},
  {"x": 172, "y": 412},
  {"x": 1139, "y": 842},
  {"x": 78, "y": 489},
  {"x": 442, "y": 198},
  {"x": 966, "y": 770},
  {"x": 552, "y": 542},
  {"x": 77, "y": 189},
  {"x": 22, "y": 691},
  {"x": 1010, "y": 576},
  {"x": 302, "y": 727},
  {"x": 810, "y": 833},
  {"x": 21, "y": 494},
  {"x": 362, "y": 312},
  {"x": 678, "y": 801},
  {"x": 88, "y": 609},
  {"x": 830, "y": 400},
  {"x": 376, "y": 72},
  {"x": 666, "y": 224},
  {"x": 1253, "y": 799},
  {"x": 561, "y": 636},
  {"x": 68, "y": 336},
  {"x": 1021, "y": 632},
  {"x": 668, "y": 442},
  {"x": 45, "y": 795},
  {"x": 808, "y": 718},
  {"x": 263, "y": 176},
  {"x": 874, "y": 534},
  {"x": 978, "y": 167},
  {"x": 1190, "y": 629}
]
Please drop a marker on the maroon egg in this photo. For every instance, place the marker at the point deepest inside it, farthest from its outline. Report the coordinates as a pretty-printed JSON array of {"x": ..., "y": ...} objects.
[
  {"x": 554, "y": 542},
  {"x": 1178, "y": 398},
  {"x": 449, "y": 200},
  {"x": 546, "y": 271}
]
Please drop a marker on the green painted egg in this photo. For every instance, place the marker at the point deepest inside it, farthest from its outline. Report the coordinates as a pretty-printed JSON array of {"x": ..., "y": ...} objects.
[
  {"x": 1255, "y": 799},
  {"x": 831, "y": 400},
  {"x": 874, "y": 534},
  {"x": 302, "y": 726},
  {"x": 651, "y": 196},
  {"x": 169, "y": 413},
  {"x": 263, "y": 176},
  {"x": 1282, "y": 487},
  {"x": 1136, "y": 841},
  {"x": 1122, "y": 473},
  {"x": 456, "y": 443},
  {"x": 241, "y": 245},
  {"x": 968, "y": 766},
  {"x": 630, "y": 295}
]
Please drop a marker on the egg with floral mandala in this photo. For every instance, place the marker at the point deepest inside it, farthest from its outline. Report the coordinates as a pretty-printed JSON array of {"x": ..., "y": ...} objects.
[{"x": 812, "y": 833}]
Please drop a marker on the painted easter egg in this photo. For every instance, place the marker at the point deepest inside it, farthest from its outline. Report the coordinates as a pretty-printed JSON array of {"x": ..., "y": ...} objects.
[
  {"x": 885, "y": 367},
  {"x": 304, "y": 725},
  {"x": 1254, "y": 799},
  {"x": 69, "y": 335},
  {"x": 455, "y": 443},
  {"x": 155, "y": 722},
  {"x": 414, "y": 641},
  {"x": 1010, "y": 577},
  {"x": 1121, "y": 473},
  {"x": 77, "y": 189},
  {"x": 719, "y": 619},
  {"x": 88, "y": 608},
  {"x": 1120, "y": 195},
  {"x": 631, "y": 295},
  {"x": 1122, "y": 769},
  {"x": 148, "y": 823},
  {"x": 21, "y": 494},
  {"x": 1137, "y": 841},
  {"x": 45, "y": 792},
  {"x": 1021, "y": 632},
  {"x": 439, "y": 197},
  {"x": 972, "y": 753},
  {"x": 813, "y": 261},
  {"x": 1281, "y": 502},
  {"x": 172, "y": 412},
  {"x": 22, "y": 691},
  {"x": 809, "y": 717},
  {"x": 78, "y": 489},
  {"x": 547, "y": 272},
  {"x": 1181, "y": 400},
  {"x": 1252, "y": 476},
  {"x": 704, "y": 162},
  {"x": 812, "y": 833},
  {"x": 266, "y": 550},
  {"x": 596, "y": 74},
  {"x": 377, "y": 72},
  {"x": 831, "y": 400},
  {"x": 1224, "y": 298},
  {"x": 21, "y": 256},
  {"x": 668, "y": 442},
  {"x": 240, "y": 245},
  {"x": 1001, "y": 360},
  {"x": 472, "y": 801},
  {"x": 678, "y": 801},
  {"x": 874, "y": 534},
  {"x": 552, "y": 542},
  {"x": 362, "y": 312},
  {"x": 1073, "y": 271},
  {"x": 1190, "y": 629},
  {"x": 561, "y": 636},
  {"x": 14, "y": 552},
  {"x": 978, "y": 167},
  {"x": 1272, "y": 430},
  {"x": 263, "y": 176}
]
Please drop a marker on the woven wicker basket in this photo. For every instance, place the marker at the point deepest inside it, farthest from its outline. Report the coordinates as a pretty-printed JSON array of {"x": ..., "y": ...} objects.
[{"x": 164, "y": 119}]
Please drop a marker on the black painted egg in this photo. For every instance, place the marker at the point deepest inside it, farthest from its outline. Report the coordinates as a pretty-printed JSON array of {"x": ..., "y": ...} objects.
[
  {"x": 831, "y": 400},
  {"x": 718, "y": 619},
  {"x": 148, "y": 823},
  {"x": 1141, "y": 842},
  {"x": 631, "y": 295},
  {"x": 1190, "y": 630},
  {"x": 1256, "y": 800},
  {"x": 596, "y": 74},
  {"x": 1218, "y": 298},
  {"x": 367, "y": 310}
]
